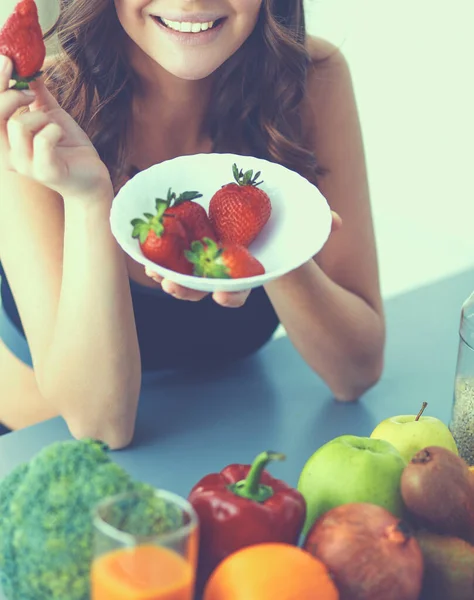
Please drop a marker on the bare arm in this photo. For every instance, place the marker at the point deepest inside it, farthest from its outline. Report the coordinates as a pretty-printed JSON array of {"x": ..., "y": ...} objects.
[
  {"x": 331, "y": 307},
  {"x": 70, "y": 282},
  {"x": 75, "y": 308},
  {"x": 99, "y": 364}
]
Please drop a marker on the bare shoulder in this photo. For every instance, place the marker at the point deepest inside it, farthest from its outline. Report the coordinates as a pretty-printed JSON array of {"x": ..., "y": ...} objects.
[
  {"x": 329, "y": 81},
  {"x": 333, "y": 132},
  {"x": 320, "y": 49}
]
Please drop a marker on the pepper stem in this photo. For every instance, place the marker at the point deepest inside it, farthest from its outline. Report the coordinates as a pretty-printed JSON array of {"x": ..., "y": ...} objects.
[{"x": 250, "y": 487}]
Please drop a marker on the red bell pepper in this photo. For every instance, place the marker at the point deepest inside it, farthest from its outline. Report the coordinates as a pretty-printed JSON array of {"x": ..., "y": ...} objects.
[{"x": 244, "y": 505}]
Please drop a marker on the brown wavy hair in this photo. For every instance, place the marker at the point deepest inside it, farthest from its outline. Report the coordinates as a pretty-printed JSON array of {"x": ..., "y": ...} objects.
[{"x": 255, "y": 105}]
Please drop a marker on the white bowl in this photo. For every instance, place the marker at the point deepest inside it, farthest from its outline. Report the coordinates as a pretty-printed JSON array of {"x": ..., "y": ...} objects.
[{"x": 298, "y": 227}]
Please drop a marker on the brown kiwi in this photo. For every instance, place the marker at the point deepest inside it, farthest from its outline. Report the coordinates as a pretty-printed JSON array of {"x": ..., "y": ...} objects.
[
  {"x": 448, "y": 567},
  {"x": 438, "y": 490}
]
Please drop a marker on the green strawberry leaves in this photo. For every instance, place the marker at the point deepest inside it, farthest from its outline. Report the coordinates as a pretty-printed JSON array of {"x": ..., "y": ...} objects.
[
  {"x": 207, "y": 259},
  {"x": 22, "y": 83},
  {"x": 186, "y": 197},
  {"x": 154, "y": 223},
  {"x": 247, "y": 178},
  {"x": 173, "y": 200},
  {"x": 142, "y": 228}
]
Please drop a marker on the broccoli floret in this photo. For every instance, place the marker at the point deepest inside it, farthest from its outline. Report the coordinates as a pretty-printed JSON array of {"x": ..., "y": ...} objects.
[
  {"x": 46, "y": 528},
  {"x": 8, "y": 488},
  {"x": 142, "y": 514}
]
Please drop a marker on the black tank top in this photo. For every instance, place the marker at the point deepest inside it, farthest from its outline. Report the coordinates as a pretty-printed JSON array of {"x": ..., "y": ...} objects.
[{"x": 175, "y": 333}]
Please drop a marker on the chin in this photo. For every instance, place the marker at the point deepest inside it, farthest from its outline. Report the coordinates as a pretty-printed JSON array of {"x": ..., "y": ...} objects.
[{"x": 190, "y": 72}]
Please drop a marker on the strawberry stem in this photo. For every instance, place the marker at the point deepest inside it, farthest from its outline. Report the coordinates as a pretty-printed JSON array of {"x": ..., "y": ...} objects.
[
  {"x": 247, "y": 178},
  {"x": 22, "y": 83},
  {"x": 161, "y": 207}
]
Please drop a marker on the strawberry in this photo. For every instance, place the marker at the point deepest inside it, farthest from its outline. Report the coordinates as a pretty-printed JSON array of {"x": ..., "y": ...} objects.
[
  {"x": 238, "y": 211},
  {"x": 191, "y": 214},
  {"x": 163, "y": 239},
  {"x": 21, "y": 39},
  {"x": 228, "y": 261}
]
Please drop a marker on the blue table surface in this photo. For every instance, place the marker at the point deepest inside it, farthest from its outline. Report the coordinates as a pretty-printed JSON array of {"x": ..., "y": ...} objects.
[{"x": 190, "y": 424}]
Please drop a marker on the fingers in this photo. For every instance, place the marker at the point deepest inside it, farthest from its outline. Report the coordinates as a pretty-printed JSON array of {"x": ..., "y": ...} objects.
[
  {"x": 21, "y": 134},
  {"x": 180, "y": 292},
  {"x": 175, "y": 290},
  {"x": 336, "y": 221},
  {"x": 10, "y": 100},
  {"x": 44, "y": 99},
  {"x": 6, "y": 70},
  {"x": 157, "y": 278},
  {"x": 231, "y": 299},
  {"x": 227, "y": 299},
  {"x": 32, "y": 139},
  {"x": 21, "y": 131},
  {"x": 45, "y": 164}
]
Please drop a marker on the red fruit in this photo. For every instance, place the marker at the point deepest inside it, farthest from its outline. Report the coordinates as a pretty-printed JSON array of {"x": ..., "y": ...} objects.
[
  {"x": 239, "y": 211},
  {"x": 21, "y": 39},
  {"x": 370, "y": 554},
  {"x": 191, "y": 214},
  {"x": 163, "y": 239},
  {"x": 230, "y": 261}
]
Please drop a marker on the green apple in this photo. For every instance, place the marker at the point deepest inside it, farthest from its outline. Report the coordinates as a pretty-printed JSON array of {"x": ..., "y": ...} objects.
[
  {"x": 411, "y": 433},
  {"x": 351, "y": 469}
]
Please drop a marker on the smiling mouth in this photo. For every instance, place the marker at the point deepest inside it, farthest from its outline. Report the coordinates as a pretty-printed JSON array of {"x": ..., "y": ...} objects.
[{"x": 188, "y": 27}]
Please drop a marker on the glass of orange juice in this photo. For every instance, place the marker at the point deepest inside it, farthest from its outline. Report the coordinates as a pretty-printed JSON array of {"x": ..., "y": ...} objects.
[{"x": 143, "y": 552}]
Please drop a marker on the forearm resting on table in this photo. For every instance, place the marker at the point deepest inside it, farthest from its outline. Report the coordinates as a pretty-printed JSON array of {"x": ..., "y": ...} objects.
[
  {"x": 92, "y": 372},
  {"x": 338, "y": 334}
]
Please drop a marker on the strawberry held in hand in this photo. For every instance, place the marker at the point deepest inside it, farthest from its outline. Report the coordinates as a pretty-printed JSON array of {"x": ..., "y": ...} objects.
[
  {"x": 228, "y": 261},
  {"x": 21, "y": 39},
  {"x": 239, "y": 211},
  {"x": 163, "y": 239},
  {"x": 191, "y": 214}
]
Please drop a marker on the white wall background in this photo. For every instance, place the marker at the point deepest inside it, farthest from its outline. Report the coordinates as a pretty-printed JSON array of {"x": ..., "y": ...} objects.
[{"x": 412, "y": 66}]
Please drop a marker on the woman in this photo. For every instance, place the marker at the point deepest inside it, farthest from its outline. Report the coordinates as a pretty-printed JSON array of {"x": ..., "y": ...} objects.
[{"x": 139, "y": 82}]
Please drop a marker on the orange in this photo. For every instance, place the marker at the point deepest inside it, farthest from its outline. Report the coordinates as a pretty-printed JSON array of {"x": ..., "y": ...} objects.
[{"x": 270, "y": 571}]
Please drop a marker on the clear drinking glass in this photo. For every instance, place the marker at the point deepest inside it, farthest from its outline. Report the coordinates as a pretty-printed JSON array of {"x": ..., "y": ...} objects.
[
  {"x": 140, "y": 566},
  {"x": 462, "y": 417}
]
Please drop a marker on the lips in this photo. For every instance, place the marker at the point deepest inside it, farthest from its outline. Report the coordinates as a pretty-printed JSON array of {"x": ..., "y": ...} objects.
[{"x": 191, "y": 26}]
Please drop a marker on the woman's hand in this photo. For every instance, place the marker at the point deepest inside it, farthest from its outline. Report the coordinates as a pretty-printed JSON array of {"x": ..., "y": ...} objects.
[
  {"x": 45, "y": 143},
  {"x": 228, "y": 299}
]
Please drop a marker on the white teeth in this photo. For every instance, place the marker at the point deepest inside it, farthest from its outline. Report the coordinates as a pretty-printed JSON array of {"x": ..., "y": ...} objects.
[{"x": 188, "y": 27}]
